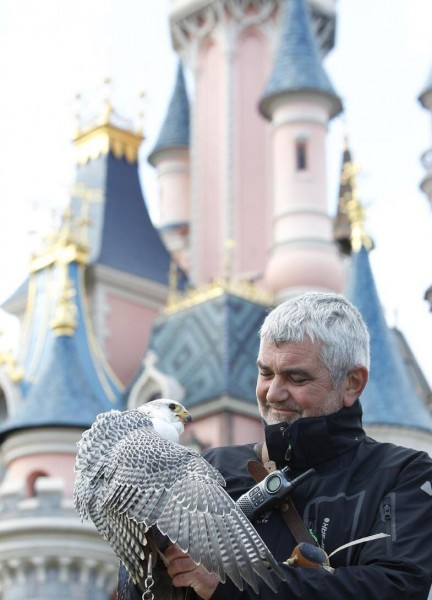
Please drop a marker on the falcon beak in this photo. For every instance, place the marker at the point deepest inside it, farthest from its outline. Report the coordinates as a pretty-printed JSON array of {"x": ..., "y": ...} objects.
[{"x": 185, "y": 416}]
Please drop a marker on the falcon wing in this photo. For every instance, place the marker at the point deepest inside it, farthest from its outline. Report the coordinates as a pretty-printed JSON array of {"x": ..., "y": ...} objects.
[{"x": 153, "y": 482}]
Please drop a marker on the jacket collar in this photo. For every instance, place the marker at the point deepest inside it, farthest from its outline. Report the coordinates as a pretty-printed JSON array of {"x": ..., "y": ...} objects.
[{"x": 311, "y": 441}]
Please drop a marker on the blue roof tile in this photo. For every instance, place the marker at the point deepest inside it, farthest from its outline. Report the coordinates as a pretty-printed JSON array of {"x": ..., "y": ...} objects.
[
  {"x": 175, "y": 129},
  {"x": 298, "y": 67},
  {"x": 211, "y": 348},
  {"x": 121, "y": 233},
  {"x": 389, "y": 397}
]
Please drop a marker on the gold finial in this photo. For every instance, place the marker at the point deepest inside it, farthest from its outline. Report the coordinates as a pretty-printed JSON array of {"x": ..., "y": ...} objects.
[
  {"x": 62, "y": 246},
  {"x": 14, "y": 371},
  {"x": 173, "y": 282},
  {"x": 108, "y": 108},
  {"x": 346, "y": 143},
  {"x": 354, "y": 209},
  {"x": 85, "y": 196},
  {"x": 218, "y": 287},
  {"x": 64, "y": 321},
  {"x": 141, "y": 113}
]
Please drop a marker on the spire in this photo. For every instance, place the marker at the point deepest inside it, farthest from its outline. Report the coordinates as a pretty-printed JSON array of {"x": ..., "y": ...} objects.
[
  {"x": 349, "y": 226},
  {"x": 298, "y": 67},
  {"x": 108, "y": 188},
  {"x": 175, "y": 129},
  {"x": 108, "y": 133},
  {"x": 389, "y": 397}
]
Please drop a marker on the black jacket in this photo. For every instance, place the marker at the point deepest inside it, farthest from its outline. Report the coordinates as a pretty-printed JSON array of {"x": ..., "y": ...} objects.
[{"x": 360, "y": 487}]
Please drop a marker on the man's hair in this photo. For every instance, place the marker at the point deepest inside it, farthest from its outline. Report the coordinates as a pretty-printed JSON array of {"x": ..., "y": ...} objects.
[{"x": 323, "y": 317}]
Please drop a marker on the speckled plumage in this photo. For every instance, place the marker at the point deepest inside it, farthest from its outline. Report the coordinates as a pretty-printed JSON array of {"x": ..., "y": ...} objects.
[{"x": 131, "y": 481}]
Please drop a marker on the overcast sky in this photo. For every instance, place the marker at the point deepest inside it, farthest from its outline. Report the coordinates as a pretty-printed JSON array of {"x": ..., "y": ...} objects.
[{"x": 52, "y": 49}]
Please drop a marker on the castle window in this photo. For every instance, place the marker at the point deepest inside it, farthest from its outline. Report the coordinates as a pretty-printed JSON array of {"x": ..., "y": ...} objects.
[
  {"x": 31, "y": 481},
  {"x": 301, "y": 155}
]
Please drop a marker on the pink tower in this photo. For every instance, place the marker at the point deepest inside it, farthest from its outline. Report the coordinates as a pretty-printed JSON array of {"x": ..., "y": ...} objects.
[
  {"x": 250, "y": 216},
  {"x": 299, "y": 100}
]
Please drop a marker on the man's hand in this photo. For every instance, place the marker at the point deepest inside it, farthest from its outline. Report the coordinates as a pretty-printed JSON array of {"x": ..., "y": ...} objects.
[{"x": 185, "y": 573}]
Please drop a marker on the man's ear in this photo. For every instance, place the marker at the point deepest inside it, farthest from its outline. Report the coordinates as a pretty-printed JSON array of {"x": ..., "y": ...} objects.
[{"x": 354, "y": 384}]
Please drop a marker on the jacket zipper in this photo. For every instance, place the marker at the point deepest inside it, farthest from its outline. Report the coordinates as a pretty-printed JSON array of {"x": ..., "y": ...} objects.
[{"x": 387, "y": 508}]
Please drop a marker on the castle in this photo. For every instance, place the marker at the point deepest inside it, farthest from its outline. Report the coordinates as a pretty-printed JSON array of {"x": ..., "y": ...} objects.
[{"x": 116, "y": 312}]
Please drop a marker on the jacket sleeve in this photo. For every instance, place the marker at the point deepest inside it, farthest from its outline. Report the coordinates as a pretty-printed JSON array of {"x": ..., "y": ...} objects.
[{"x": 397, "y": 568}]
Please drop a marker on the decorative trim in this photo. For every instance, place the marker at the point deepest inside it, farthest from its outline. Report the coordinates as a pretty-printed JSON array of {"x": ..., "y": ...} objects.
[
  {"x": 243, "y": 289},
  {"x": 101, "y": 139},
  {"x": 151, "y": 382},
  {"x": 302, "y": 211},
  {"x": 45, "y": 440},
  {"x": 191, "y": 21},
  {"x": 305, "y": 241},
  {"x": 100, "y": 361}
]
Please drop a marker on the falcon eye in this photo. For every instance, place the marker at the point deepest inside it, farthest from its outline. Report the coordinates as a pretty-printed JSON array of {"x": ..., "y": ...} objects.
[{"x": 172, "y": 406}]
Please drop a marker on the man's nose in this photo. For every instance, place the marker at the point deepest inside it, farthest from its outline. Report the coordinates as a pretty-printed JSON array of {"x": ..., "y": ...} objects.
[{"x": 277, "y": 391}]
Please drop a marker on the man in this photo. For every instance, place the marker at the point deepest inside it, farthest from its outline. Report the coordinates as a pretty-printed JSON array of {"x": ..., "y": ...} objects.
[{"x": 313, "y": 364}]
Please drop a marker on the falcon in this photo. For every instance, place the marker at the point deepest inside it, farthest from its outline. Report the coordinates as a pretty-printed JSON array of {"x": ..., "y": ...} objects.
[{"x": 143, "y": 490}]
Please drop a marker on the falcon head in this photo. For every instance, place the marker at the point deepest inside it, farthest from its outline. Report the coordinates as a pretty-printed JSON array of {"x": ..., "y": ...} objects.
[{"x": 168, "y": 417}]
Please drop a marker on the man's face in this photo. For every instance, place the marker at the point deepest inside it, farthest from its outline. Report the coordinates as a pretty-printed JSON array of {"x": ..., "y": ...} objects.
[{"x": 292, "y": 383}]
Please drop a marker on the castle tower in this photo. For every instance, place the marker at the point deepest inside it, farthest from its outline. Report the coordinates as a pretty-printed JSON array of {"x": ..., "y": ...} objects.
[
  {"x": 299, "y": 100},
  {"x": 170, "y": 156},
  {"x": 128, "y": 272},
  {"x": 64, "y": 382},
  {"x": 228, "y": 48},
  {"x": 394, "y": 407}
]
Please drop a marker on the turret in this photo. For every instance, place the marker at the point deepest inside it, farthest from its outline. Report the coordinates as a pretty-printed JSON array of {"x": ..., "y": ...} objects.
[
  {"x": 128, "y": 264},
  {"x": 228, "y": 50},
  {"x": 170, "y": 156},
  {"x": 64, "y": 384},
  {"x": 393, "y": 409},
  {"x": 299, "y": 100}
]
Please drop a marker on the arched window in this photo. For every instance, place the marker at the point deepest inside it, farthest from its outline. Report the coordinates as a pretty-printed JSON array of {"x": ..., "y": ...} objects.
[{"x": 31, "y": 481}]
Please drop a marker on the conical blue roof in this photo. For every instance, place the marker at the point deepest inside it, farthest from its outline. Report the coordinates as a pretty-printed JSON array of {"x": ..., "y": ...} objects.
[
  {"x": 67, "y": 381},
  {"x": 389, "y": 397},
  {"x": 175, "y": 129},
  {"x": 211, "y": 348},
  {"x": 121, "y": 233},
  {"x": 298, "y": 66}
]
